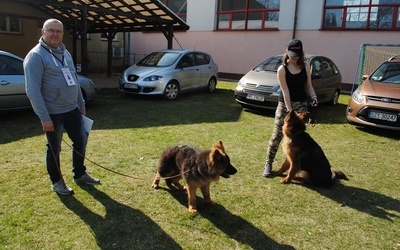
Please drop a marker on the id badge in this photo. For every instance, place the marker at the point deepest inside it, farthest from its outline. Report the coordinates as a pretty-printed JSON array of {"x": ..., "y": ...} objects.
[{"x": 68, "y": 76}]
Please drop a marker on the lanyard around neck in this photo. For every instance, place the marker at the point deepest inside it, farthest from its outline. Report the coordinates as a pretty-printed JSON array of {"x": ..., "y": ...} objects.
[{"x": 55, "y": 59}]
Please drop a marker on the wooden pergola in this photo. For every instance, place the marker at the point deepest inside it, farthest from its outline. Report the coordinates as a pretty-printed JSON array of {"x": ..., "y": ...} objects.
[{"x": 82, "y": 17}]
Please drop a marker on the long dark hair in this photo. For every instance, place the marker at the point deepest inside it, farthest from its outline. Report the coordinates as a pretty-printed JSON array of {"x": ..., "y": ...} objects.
[{"x": 299, "y": 62}]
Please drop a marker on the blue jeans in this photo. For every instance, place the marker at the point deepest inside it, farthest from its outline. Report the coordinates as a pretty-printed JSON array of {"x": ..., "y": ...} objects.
[{"x": 72, "y": 122}]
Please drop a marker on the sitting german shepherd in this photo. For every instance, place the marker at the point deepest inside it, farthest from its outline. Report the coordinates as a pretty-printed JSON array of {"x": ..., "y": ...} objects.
[
  {"x": 197, "y": 167},
  {"x": 305, "y": 159}
]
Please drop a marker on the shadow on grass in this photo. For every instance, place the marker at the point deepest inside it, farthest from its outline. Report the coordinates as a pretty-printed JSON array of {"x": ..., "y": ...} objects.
[
  {"x": 232, "y": 225},
  {"x": 122, "y": 227},
  {"x": 17, "y": 125},
  {"x": 113, "y": 110},
  {"x": 369, "y": 202},
  {"x": 380, "y": 132}
]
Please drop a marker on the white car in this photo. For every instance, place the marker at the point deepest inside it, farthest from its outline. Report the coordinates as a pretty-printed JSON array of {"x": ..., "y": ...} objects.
[
  {"x": 12, "y": 84},
  {"x": 169, "y": 73}
]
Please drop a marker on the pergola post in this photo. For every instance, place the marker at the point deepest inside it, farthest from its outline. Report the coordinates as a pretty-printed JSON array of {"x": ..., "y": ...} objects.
[{"x": 84, "y": 52}]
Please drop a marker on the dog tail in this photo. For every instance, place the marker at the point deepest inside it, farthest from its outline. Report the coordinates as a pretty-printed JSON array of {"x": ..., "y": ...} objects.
[{"x": 340, "y": 175}]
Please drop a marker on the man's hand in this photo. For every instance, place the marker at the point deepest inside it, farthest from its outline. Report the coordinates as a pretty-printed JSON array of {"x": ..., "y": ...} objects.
[{"x": 48, "y": 126}]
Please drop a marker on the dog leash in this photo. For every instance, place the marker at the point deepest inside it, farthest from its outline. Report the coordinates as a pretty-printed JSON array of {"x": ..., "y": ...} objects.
[
  {"x": 111, "y": 170},
  {"x": 313, "y": 115}
]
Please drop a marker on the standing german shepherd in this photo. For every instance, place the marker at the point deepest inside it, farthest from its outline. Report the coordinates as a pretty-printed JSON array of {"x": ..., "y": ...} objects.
[
  {"x": 197, "y": 167},
  {"x": 305, "y": 159}
]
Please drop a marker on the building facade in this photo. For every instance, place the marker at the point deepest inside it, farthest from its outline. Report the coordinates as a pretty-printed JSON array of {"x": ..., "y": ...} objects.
[{"x": 239, "y": 34}]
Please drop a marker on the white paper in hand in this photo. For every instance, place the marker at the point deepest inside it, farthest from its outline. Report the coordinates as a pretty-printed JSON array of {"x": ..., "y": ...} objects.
[{"x": 87, "y": 123}]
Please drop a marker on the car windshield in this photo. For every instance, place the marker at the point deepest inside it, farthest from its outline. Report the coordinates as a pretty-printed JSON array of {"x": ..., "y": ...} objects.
[
  {"x": 271, "y": 64},
  {"x": 159, "y": 59},
  {"x": 388, "y": 72}
]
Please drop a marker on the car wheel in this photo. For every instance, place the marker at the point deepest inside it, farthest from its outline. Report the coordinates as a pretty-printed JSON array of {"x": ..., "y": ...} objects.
[
  {"x": 212, "y": 85},
  {"x": 171, "y": 90},
  {"x": 335, "y": 98}
]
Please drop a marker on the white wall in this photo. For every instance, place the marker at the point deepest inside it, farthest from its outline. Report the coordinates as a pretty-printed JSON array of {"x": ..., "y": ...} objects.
[
  {"x": 310, "y": 14},
  {"x": 201, "y": 14},
  {"x": 239, "y": 51}
]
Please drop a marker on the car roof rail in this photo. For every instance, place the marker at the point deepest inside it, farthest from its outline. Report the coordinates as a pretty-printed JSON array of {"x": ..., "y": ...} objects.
[{"x": 394, "y": 57}]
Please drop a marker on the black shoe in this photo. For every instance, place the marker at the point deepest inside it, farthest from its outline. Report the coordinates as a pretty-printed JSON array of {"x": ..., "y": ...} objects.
[
  {"x": 267, "y": 171},
  {"x": 86, "y": 178}
]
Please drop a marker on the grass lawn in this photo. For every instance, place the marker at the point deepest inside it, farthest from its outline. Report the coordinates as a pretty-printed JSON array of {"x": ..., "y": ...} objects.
[{"x": 252, "y": 212}]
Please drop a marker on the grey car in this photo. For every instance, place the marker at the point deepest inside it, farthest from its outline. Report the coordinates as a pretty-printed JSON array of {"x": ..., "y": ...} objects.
[
  {"x": 169, "y": 73},
  {"x": 259, "y": 88},
  {"x": 12, "y": 84}
]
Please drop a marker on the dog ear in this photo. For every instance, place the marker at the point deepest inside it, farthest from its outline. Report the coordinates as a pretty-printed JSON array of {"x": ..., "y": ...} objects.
[
  {"x": 304, "y": 116},
  {"x": 217, "y": 150},
  {"x": 219, "y": 145}
]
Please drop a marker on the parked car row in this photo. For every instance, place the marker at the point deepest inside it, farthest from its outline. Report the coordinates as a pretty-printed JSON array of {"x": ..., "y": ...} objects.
[
  {"x": 12, "y": 84},
  {"x": 169, "y": 73}
]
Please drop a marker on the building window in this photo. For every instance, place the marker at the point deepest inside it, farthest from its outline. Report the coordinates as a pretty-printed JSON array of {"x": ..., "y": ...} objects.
[
  {"x": 362, "y": 14},
  {"x": 10, "y": 24},
  {"x": 179, "y": 7},
  {"x": 248, "y": 14}
]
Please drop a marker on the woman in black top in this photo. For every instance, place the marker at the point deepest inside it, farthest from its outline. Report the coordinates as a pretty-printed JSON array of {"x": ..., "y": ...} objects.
[{"x": 294, "y": 78}]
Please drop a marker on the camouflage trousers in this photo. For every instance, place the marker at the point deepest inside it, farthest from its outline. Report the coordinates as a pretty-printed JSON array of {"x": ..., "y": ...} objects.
[{"x": 277, "y": 134}]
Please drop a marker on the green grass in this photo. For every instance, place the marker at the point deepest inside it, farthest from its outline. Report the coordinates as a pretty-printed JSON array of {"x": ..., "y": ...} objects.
[{"x": 252, "y": 212}]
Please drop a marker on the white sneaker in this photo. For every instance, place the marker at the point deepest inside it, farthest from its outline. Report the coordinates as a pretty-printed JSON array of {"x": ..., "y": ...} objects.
[{"x": 61, "y": 188}]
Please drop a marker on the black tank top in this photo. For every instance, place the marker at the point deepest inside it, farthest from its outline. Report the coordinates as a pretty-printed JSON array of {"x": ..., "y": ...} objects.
[{"x": 296, "y": 84}]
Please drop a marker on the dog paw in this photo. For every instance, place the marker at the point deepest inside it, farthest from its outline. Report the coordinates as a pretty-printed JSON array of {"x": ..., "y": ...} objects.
[
  {"x": 155, "y": 186},
  {"x": 284, "y": 181},
  {"x": 193, "y": 210}
]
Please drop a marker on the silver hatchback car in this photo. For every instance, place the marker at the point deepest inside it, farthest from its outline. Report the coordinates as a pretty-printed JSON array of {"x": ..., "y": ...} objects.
[
  {"x": 12, "y": 84},
  {"x": 169, "y": 73}
]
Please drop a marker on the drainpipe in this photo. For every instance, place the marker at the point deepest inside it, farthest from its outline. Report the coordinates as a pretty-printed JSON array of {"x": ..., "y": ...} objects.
[{"x": 295, "y": 19}]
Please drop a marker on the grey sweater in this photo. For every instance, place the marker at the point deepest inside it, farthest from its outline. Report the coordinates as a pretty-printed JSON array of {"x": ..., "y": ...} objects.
[{"x": 45, "y": 84}]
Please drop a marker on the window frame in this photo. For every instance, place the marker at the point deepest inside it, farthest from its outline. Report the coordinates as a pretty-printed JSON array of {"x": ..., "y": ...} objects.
[
  {"x": 247, "y": 11},
  {"x": 8, "y": 25},
  {"x": 183, "y": 15},
  {"x": 363, "y": 13}
]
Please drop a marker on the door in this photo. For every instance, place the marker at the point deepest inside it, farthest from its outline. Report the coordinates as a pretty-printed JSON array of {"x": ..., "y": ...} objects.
[
  {"x": 12, "y": 84},
  {"x": 187, "y": 72},
  {"x": 325, "y": 78},
  {"x": 204, "y": 69}
]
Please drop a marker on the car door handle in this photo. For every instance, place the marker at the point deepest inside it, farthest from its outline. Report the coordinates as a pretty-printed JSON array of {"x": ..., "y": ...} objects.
[{"x": 4, "y": 83}]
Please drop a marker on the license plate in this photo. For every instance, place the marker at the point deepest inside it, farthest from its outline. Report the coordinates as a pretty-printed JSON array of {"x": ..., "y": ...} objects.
[
  {"x": 131, "y": 86},
  {"x": 382, "y": 116},
  {"x": 259, "y": 98}
]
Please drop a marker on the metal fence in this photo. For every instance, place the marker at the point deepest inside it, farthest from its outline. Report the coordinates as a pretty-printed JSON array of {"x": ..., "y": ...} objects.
[{"x": 120, "y": 61}]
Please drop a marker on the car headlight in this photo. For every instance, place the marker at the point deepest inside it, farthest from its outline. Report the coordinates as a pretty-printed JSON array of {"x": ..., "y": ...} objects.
[
  {"x": 152, "y": 78},
  {"x": 357, "y": 96},
  {"x": 277, "y": 92},
  {"x": 240, "y": 85}
]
